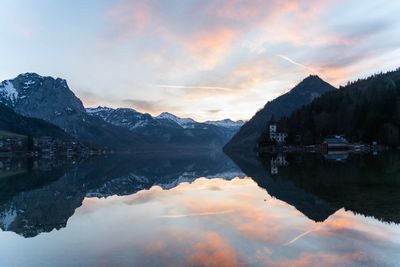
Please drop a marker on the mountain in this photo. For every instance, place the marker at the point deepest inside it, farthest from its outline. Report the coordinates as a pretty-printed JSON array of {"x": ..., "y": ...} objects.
[
  {"x": 366, "y": 110},
  {"x": 13, "y": 122},
  {"x": 310, "y": 88},
  {"x": 45, "y": 98},
  {"x": 167, "y": 129},
  {"x": 190, "y": 123},
  {"x": 227, "y": 123},
  {"x": 123, "y": 117},
  {"x": 364, "y": 184},
  {"x": 183, "y": 122},
  {"x": 51, "y": 100}
]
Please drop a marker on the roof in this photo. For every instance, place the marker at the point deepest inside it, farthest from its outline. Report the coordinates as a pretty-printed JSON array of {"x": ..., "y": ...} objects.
[{"x": 336, "y": 139}]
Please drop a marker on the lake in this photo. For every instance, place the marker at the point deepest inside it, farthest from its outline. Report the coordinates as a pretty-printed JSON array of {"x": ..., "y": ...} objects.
[{"x": 201, "y": 209}]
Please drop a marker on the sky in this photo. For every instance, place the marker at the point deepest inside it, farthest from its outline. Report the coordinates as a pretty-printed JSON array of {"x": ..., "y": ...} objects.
[{"x": 196, "y": 58}]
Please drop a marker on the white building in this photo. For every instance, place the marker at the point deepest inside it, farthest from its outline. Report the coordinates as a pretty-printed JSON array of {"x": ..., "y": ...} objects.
[
  {"x": 276, "y": 136},
  {"x": 278, "y": 161}
]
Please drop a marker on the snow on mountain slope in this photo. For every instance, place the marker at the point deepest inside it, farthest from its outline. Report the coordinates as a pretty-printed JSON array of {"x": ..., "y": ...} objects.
[
  {"x": 184, "y": 122},
  {"x": 227, "y": 123},
  {"x": 188, "y": 122},
  {"x": 130, "y": 118},
  {"x": 123, "y": 117},
  {"x": 8, "y": 93}
]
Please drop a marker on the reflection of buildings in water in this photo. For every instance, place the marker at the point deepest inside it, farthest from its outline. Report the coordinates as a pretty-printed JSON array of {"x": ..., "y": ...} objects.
[
  {"x": 336, "y": 155},
  {"x": 364, "y": 184},
  {"x": 278, "y": 161}
]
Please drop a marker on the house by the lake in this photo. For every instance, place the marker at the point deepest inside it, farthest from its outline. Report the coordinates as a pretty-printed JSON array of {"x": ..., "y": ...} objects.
[
  {"x": 278, "y": 161},
  {"x": 274, "y": 135},
  {"x": 338, "y": 142}
]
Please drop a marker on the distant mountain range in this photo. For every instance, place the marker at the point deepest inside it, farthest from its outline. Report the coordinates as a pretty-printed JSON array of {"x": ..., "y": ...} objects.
[
  {"x": 306, "y": 91},
  {"x": 365, "y": 110},
  {"x": 132, "y": 119},
  {"x": 51, "y": 100},
  {"x": 168, "y": 129}
]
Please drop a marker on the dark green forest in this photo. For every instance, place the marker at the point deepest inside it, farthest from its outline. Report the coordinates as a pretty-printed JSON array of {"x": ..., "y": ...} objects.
[{"x": 365, "y": 110}]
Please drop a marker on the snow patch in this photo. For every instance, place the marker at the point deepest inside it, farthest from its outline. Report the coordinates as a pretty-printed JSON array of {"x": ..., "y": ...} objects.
[
  {"x": 184, "y": 122},
  {"x": 28, "y": 84},
  {"x": 227, "y": 123},
  {"x": 8, "y": 91},
  {"x": 98, "y": 109},
  {"x": 7, "y": 218},
  {"x": 139, "y": 124}
]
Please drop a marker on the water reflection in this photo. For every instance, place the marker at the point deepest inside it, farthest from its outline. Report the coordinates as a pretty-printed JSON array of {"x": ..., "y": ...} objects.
[
  {"x": 42, "y": 198},
  {"x": 154, "y": 210},
  {"x": 206, "y": 223},
  {"x": 318, "y": 187}
]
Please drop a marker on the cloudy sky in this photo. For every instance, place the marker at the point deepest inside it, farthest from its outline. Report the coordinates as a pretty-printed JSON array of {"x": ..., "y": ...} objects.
[{"x": 204, "y": 59}]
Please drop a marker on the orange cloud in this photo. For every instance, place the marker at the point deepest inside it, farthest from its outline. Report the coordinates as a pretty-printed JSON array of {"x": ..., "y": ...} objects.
[
  {"x": 323, "y": 259},
  {"x": 211, "y": 46},
  {"x": 213, "y": 251}
]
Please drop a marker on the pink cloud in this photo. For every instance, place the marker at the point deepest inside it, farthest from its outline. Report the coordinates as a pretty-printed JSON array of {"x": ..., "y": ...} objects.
[
  {"x": 129, "y": 18},
  {"x": 213, "y": 250}
]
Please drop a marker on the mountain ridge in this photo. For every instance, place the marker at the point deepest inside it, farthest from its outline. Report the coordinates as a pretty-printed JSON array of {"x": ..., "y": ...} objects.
[
  {"x": 366, "y": 110},
  {"x": 50, "y": 99},
  {"x": 303, "y": 93}
]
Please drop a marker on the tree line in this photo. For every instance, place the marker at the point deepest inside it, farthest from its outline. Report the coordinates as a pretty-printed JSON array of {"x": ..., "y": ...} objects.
[{"x": 365, "y": 110}]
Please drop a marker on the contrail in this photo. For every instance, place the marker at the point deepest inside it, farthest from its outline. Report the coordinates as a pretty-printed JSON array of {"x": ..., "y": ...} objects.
[
  {"x": 195, "y": 87},
  {"x": 299, "y": 236},
  {"x": 196, "y": 214},
  {"x": 294, "y": 62}
]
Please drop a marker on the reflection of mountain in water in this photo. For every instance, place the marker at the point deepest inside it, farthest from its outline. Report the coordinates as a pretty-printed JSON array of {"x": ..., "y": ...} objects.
[
  {"x": 259, "y": 170},
  {"x": 364, "y": 184},
  {"x": 36, "y": 200}
]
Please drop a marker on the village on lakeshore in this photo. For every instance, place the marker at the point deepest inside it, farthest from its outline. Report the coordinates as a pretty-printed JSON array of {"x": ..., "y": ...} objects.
[{"x": 331, "y": 144}]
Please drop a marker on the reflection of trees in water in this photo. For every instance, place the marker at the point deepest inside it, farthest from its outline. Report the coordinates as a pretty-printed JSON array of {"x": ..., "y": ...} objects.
[
  {"x": 40, "y": 200},
  {"x": 365, "y": 184}
]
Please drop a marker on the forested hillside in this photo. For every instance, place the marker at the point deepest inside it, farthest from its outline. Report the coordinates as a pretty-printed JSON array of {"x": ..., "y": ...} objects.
[
  {"x": 303, "y": 93},
  {"x": 365, "y": 110}
]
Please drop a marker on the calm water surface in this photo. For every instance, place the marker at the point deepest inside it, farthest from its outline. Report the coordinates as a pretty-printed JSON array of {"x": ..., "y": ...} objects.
[{"x": 201, "y": 210}]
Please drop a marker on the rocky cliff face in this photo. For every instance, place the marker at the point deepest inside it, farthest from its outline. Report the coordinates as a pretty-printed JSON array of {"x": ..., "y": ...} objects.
[
  {"x": 45, "y": 98},
  {"x": 52, "y": 100}
]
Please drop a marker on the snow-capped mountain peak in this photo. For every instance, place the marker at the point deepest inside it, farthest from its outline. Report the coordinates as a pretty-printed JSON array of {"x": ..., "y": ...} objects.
[
  {"x": 98, "y": 109},
  {"x": 181, "y": 121},
  {"x": 123, "y": 117},
  {"x": 227, "y": 123}
]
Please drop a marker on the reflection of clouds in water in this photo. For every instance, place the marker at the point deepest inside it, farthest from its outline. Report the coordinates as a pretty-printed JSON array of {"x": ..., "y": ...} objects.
[
  {"x": 325, "y": 259},
  {"x": 176, "y": 246},
  {"x": 213, "y": 250},
  {"x": 214, "y": 188},
  {"x": 195, "y": 225},
  {"x": 172, "y": 216},
  {"x": 299, "y": 236}
]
